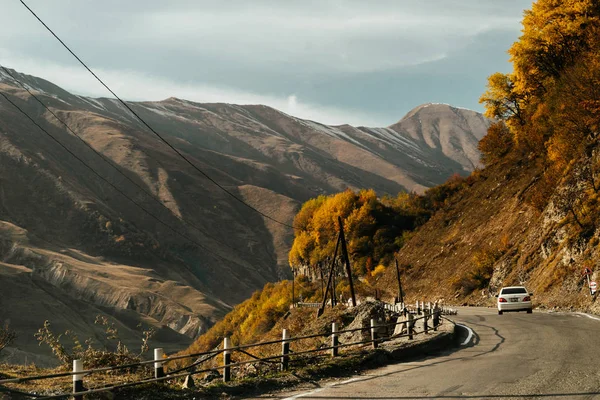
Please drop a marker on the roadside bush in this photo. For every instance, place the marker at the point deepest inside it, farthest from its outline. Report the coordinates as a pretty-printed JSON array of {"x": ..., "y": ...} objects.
[
  {"x": 92, "y": 357},
  {"x": 7, "y": 336},
  {"x": 496, "y": 143}
]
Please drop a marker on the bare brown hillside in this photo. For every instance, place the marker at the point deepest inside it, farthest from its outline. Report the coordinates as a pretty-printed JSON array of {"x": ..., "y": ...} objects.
[{"x": 195, "y": 252}]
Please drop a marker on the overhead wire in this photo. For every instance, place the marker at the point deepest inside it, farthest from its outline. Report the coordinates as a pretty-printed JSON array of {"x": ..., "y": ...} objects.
[
  {"x": 186, "y": 237},
  {"x": 180, "y": 154},
  {"x": 112, "y": 165}
]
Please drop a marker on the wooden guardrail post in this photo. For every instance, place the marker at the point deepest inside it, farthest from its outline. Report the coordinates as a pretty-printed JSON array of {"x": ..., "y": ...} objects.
[
  {"x": 285, "y": 350},
  {"x": 159, "y": 370},
  {"x": 418, "y": 308},
  {"x": 411, "y": 325},
  {"x": 436, "y": 317},
  {"x": 334, "y": 340},
  {"x": 425, "y": 318},
  {"x": 226, "y": 360},
  {"x": 78, "y": 379},
  {"x": 373, "y": 333}
]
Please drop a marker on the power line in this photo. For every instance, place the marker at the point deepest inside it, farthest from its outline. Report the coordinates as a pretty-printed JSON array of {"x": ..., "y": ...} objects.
[
  {"x": 111, "y": 164},
  {"x": 110, "y": 183},
  {"x": 149, "y": 127}
]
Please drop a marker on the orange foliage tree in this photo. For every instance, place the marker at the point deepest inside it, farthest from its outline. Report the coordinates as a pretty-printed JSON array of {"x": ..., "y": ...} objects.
[
  {"x": 550, "y": 103},
  {"x": 375, "y": 228},
  {"x": 371, "y": 229}
]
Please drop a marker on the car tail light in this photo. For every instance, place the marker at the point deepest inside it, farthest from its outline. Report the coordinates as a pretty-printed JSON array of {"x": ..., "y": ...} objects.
[
  {"x": 502, "y": 300},
  {"x": 526, "y": 298}
]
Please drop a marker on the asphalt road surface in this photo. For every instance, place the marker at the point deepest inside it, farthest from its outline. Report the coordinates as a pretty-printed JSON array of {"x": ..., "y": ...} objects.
[{"x": 511, "y": 356}]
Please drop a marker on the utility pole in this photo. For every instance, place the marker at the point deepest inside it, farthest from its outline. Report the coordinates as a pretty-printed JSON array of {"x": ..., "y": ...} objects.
[
  {"x": 293, "y": 282},
  {"x": 320, "y": 312},
  {"x": 322, "y": 279},
  {"x": 400, "y": 295},
  {"x": 347, "y": 261},
  {"x": 333, "y": 286}
]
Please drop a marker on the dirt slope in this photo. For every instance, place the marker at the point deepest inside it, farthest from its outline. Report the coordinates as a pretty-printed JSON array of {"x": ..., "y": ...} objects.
[{"x": 493, "y": 221}]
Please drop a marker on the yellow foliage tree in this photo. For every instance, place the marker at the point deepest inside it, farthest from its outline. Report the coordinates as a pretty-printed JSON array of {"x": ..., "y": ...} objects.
[
  {"x": 370, "y": 226},
  {"x": 557, "y": 35}
]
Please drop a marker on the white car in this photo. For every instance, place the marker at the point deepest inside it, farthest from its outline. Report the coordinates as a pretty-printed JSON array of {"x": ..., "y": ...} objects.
[{"x": 514, "y": 298}]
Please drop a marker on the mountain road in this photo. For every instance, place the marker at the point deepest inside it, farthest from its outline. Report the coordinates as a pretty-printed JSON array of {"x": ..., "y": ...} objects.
[{"x": 550, "y": 355}]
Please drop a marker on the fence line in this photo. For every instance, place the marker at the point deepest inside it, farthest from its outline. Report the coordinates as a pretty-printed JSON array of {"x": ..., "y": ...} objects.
[{"x": 431, "y": 312}]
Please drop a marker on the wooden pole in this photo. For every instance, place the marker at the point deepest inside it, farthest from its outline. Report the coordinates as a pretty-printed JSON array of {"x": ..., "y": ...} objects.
[
  {"x": 159, "y": 370},
  {"x": 293, "y": 283},
  {"x": 322, "y": 278},
  {"x": 347, "y": 261},
  {"x": 78, "y": 379},
  {"x": 334, "y": 340},
  {"x": 285, "y": 350},
  {"x": 373, "y": 333},
  {"x": 320, "y": 312},
  {"x": 333, "y": 286},
  {"x": 226, "y": 359},
  {"x": 400, "y": 295}
]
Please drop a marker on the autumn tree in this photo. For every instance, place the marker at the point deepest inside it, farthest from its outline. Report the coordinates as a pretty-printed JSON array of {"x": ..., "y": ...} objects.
[
  {"x": 501, "y": 100},
  {"x": 371, "y": 229},
  {"x": 496, "y": 143},
  {"x": 557, "y": 35},
  {"x": 375, "y": 228}
]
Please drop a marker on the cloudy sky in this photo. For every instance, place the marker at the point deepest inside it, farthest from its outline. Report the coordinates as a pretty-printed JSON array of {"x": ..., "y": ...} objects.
[{"x": 334, "y": 61}]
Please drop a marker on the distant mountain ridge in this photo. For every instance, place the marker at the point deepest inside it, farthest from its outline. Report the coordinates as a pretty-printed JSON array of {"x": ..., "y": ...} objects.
[{"x": 72, "y": 234}]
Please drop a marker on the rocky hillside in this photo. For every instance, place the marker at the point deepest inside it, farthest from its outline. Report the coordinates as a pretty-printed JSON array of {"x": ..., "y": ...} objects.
[
  {"x": 491, "y": 235},
  {"x": 77, "y": 246},
  {"x": 531, "y": 216}
]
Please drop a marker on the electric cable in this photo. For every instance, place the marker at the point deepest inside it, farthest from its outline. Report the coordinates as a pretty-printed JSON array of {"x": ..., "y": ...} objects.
[
  {"x": 110, "y": 183},
  {"x": 181, "y": 155},
  {"x": 111, "y": 164}
]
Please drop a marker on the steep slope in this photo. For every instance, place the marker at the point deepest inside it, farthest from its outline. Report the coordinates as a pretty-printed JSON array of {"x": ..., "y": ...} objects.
[
  {"x": 122, "y": 259},
  {"x": 490, "y": 235}
]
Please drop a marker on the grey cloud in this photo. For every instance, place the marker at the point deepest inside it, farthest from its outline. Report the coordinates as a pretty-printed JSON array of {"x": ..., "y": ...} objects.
[{"x": 319, "y": 50}]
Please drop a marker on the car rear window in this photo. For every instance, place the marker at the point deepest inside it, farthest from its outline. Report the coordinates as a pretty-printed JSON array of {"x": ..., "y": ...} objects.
[{"x": 514, "y": 291}]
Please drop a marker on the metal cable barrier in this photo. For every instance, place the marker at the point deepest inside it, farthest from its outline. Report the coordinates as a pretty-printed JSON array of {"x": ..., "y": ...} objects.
[{"x": 412, "y": 316}]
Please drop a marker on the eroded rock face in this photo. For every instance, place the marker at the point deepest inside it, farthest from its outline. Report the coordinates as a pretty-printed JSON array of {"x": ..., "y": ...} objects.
[
  {"x": 70, "y": 289},
  {"x": 99, "y": 291}
]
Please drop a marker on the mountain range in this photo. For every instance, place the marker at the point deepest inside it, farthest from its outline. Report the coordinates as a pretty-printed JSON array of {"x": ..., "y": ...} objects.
[{"x": 103, "y": 218}]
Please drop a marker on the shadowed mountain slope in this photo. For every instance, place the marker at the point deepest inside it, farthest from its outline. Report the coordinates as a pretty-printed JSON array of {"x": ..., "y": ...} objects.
[{"x": 68, "y": 234}]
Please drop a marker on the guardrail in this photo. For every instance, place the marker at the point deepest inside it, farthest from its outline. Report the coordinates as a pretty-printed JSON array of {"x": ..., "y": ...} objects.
[
  {"x": 379, "y": 333},
  {"x": 301, "y": 304}
]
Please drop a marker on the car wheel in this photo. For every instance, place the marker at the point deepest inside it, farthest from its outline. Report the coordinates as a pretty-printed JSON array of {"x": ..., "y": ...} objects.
[
  {"x": 529, "y": 311},
  {"x": 499, "y": 312}
]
